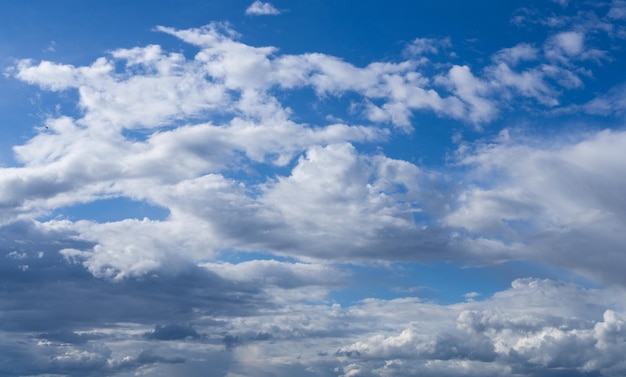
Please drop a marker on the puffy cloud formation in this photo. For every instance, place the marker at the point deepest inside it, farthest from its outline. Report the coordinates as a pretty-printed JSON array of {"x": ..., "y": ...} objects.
[
  {"x": 535, "y": 327},
  {"x": 547, "y": 201},
  {"x": 334, "y": 198},
  {"x": 242, "y": 221}
]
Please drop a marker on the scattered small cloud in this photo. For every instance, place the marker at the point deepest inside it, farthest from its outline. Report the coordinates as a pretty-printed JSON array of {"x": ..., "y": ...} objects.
[
  {"x": 259, "y": 8},
  {"x": 617, "y": 10},
  {"x": 51, "y": 47},
  {"x": 424, "y": 46},
  {"x": 470, "y": 296}
]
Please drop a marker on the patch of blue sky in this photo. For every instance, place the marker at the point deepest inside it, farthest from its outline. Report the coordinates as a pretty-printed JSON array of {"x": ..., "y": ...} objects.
[
  {"x": 256, "y": 174},
  {"x": 430, "y": 143},
  {"x": 17, "y": 118},
  {"x": 442, "y": 282},
  {"x": 27, "y": 32},
  {"x": 236, "y": 256},
  {"x": 111, "y": 209},
  {"x": 368, "y": 31},
  {"x": 305, "y": 105},
  {"x": 24, "y": 112}
]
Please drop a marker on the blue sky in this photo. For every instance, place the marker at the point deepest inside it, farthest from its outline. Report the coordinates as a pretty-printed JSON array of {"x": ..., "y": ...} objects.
[{"x": 315, "y": 188}]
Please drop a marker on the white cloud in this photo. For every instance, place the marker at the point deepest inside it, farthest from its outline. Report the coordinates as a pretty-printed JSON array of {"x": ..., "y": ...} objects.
[
  {"x": 470, "y": 296},
  {"x": 208, "y": 139},
  {"x": 569, "y": 46},
  {"x": 423, "y": 46},
  {"x": 474, "y": 92},
  {"x": 338, "y": 200},
  {"x": 570, "y": 41},
  {"x": 618, "y": 10},
  {"x": 535, "y": 324},
  {"x": 260, "y": 312},
  {"x": 530, "y": 83},
  {"x": 519, "y": 53},
  {"x": 610, "y": 103},
  {"x": 240, "y": 66},
  {"x": 364, "y": 205},
  {"x": 181, "y": 168},
  {"x": 275, "y": 273},
  {"x": 134, "y": 248},
  {"x": 558, "y": 200},
  {"x": 259, "y": 8}
]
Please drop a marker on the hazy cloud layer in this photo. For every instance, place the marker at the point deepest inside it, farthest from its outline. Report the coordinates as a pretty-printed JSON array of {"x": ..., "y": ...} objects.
[{"x": 535, "y": 327}]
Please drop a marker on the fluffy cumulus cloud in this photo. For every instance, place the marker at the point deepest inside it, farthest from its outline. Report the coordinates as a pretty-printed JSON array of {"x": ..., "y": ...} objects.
[
  {"x": 186, "y": 169},
  {"x": 532, "y": 328},
  {"x": 265, "y": 214},
  {"x": 259, "y": 8},
  {"x": 360, "y": 204}
]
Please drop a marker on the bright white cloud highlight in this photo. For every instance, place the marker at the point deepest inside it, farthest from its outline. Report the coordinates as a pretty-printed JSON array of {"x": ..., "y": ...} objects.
[{"x": 259, "y": 8}]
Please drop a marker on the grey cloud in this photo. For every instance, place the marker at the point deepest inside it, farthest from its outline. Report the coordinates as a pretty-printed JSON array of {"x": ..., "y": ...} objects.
[
  {"x": 450, "y": 346},
  {"x": 69, "y": 298},
  {"x": 563, "y": 201},
  {"x": 149, "y": 357},
  {"x": 86, "y": 360},
  {"x": 537, "y": 327},
  {"x": 66, "y": 336},
  {"x": 92, "y": 291},
  {"x": 172, "y": 332},
  {"x": 348, "y": 353},
  {"x": 262, "y": 336},
  {"x": 231, "y": 341},
  {"x": 279, "y": 274}
]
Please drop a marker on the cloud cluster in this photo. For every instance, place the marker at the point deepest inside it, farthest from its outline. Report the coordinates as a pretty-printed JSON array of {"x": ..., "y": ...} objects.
[
  {"x": 334, "y": 198},
  {"x": 536, "y": 327},
  {"x": 208, "y": 137}
]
